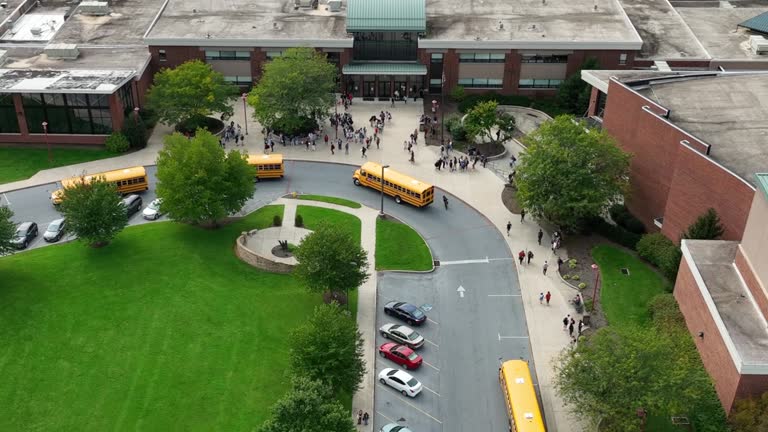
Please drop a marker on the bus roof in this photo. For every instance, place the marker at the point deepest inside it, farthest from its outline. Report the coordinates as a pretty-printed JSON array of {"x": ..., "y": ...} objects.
[
  {"x": 274, "y": 158},
  {"x": 522, "y": 396},
  {"x": 397, "y": 177},
  {"x": 110, "y": 176}
]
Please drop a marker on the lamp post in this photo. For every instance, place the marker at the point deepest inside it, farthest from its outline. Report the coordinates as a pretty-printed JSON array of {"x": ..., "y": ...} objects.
[
  {"x": 47, "y": 143},
  {"x": 596, "y": 269},
  {"x": 381, "y": 213},
  {"x": 245, "y": 114},
  {"x": 136, "y": 116}
]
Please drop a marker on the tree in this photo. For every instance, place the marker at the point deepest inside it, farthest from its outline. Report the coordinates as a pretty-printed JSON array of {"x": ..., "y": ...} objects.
[
  {"x": 706, "y": 227},
  {"x": 617, "y": 371},
  {"x": 329, "y": 348},
  {"x": 569, "y": 173},
  {"x": 7, "y": 230},
  {"x": 574, "y": 93},
  {"x": 189, "y": 93},
  {"x": 200, "y": 183},
  {"x": 484, "y": 117},
  {"x": 295, "y": 91},
  {"x": 750, "y": 415},
  {"x": 135, "y": 130},
  {"x": 330, "y": 260},
  {"x": 94, "y": 211},
  {"x": 308, "y": 407}
]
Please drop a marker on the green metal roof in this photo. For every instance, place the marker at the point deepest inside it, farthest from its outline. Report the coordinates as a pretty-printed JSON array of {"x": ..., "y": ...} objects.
[
  {"x": 384, "y": 69},
  {"x": 762, "y": 183},
  {"x": 758, "y": 23},
  {"x": 386, "y": 15}
]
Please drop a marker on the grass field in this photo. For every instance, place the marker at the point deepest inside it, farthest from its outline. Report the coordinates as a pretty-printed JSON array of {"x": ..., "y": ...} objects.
[
  {"x": 331, "y": 200},
  {"x": 164, "y": 329},
  {"x": 313, "y": 216},
  {"x": 625, "y": 298},
  {"x": 23, "y": 163},
  {"x": 399, "y": 247}
]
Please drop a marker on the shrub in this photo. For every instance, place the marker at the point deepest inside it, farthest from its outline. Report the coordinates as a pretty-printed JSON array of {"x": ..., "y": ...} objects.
[
  {"x": 706, "y": 227},
  {"x": 582, "y": 286},
  {"x": 566, "y": 277},
  {"x": 612, "y": 232},
  {"x": 458, "y": 94},
  {"x": 572, "y": 263},
  {"x": 456, "y": 128},
  {"x": 149, "y": 116},
  {"x": 136, "y": 131},
  {"x": 625, "y": 219},
  {"x": 575, "y": 277},
  {"x": 277, "y": 221},
  {"x": 661, "y": 252},
  {"x": 117, "y": 143},
  {"x": 298, "y": 221}
]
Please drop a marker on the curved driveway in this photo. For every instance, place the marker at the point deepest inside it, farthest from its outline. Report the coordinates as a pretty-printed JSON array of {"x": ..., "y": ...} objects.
[{"x": 467, "y": 334}]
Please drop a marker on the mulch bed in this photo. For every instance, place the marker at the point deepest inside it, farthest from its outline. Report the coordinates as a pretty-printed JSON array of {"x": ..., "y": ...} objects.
[
  {"x": 580, "y": 248},
  {"x": 509, "y": 198}
]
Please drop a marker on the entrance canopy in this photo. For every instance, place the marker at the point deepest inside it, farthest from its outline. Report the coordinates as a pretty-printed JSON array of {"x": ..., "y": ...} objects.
[
  {"x": 386, "y": 16},
  {"x": 384, "y": 69}
]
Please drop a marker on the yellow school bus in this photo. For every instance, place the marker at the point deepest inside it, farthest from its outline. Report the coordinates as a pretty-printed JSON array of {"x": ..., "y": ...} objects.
[
  {"x": 520, "y": 397},
  {"x": 400, "y": 186},
  {"x": 267, "y": 166},
  {"x": 127, "y": 180}
]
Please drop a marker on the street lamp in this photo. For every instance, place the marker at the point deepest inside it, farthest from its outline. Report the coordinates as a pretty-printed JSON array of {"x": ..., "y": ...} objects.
[
  {"x": 47, "y": 143},
  {"x": 597, "y": 281},
  {"x": 136, "y": 116},
  {"x": 381, "y": 213},
  {"x": 245, "y": 114}
]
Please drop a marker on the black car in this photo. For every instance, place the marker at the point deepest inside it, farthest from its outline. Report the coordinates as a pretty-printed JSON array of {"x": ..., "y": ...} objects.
[
  {"x": 25, "y": 233},
  {"x": 407, "y": 312},
  {"x": 132, "y": 204}
]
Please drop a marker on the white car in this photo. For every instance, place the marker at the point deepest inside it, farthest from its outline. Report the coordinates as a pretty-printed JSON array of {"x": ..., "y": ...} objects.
[
  {"x": 152, "y": 212},
  {"x": 401, "y": 381},
  {"x": 393, "y": 427},
  {"x": 402, "y": 334}
]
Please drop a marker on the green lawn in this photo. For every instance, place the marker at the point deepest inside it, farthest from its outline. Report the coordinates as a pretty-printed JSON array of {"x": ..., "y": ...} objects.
[
  {"x": 625, "y": 298},
  {"x": 22, "y": 163},
  {"x": 331, "y": 200},
  {"x": 399, "y": 247},
  {"x": 164, "y": 329},
  {"x": 313, "y": 216}
]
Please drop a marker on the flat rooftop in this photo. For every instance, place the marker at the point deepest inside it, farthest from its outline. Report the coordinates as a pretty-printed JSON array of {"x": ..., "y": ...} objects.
[
  {"x": 716, "y": 29},
  {"x": 126, "y": 24},
  {"x": 67, "y": 81},
  {"x": 745, "y": 326},
  {"x": 727, "y": 111},
  {"x": 110, "y": 58},
  {"x": 665, "y": 34}
]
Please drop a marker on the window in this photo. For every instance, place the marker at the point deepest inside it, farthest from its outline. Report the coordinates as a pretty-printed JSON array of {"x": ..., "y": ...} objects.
[
  {"x": 436, "y": 57},
  {"x": 126, "y": 97},
  {"x": 274, "y": 54},
  {"x": 161, "y": 55},
  {"x": 68, "y": 113},
  {"x": 622, "y": 59},
  {"x": 480, "y": 82},
  {"x": 436, "y": 82},
  {"x": 239, "y": 80},
  {"x": 533, "y": 58},
  {"x": 227, "y": 55},
  {"x": 9, "y": 123},
  {"x": 481, "y": 58},
  {"x": 539, "y": 83}
]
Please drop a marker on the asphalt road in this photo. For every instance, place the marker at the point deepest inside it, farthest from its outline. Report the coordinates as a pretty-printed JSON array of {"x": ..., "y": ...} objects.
[{"x": 467, "y": 334}]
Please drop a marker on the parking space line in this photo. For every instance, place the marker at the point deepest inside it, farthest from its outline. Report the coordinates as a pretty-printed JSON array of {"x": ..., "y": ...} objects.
[
  {"x": 430, "y": 366},
  {"x": 388, "y": 419},
  {"x": 432, "y": 321},
  {"x": 6, "y": 199},
  {"x": 432, "y": 343},
  {"x": 511, "y": 337},
  {"x": 430, "y": 390},
  {"x": 505, "y": 295},
  {"x": 416, "y": 408}
]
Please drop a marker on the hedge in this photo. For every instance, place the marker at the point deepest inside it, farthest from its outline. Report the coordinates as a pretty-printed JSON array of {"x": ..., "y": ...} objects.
[
  {"x": 613, "y": 232},
  {"x": 623, "y": 218},
  {"x": 661, "y": 252}
]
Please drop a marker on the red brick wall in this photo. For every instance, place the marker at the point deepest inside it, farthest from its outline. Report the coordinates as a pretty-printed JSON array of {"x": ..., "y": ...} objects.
[
  {"x": 141, "y": 86},
  {"x": 175, "y": 55},
  {"x": 258, "y": 58},
  {"x": 717, "y": 361},
  {"x": 607, "y": 59},
  {"x": 751, "y": 386},
  {"x": 753, "y": 284},
  {"x": 698, "y": 184}
]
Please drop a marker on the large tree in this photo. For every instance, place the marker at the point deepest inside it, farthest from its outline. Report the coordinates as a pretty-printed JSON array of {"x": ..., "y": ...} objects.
[
  {"x": 7, "y": 230},
  {"x": 190, "y": 92},
  {"x": 94, "y": 211},
  {"x": 329, "y": 259},
  {"x": 570, "y": 172},
  {"x": 308, "y": 406},
  {"x": 295, "y": 91},
  {"x": 574, "y": 93},
  {"x": 329, "y": 348},
  {"x": 198, "y": 182},
  {"x": 485, "y": 117}
]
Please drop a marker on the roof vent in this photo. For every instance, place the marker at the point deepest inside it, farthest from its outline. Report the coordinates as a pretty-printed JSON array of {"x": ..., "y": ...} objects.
[
  {"x": 758, "y": 45},
  {"x": 96, "y": 8},
  {"x": 62, "y": 51},
  {"x": 334, "y": 5},
  {"x": 3, "y": 5}
]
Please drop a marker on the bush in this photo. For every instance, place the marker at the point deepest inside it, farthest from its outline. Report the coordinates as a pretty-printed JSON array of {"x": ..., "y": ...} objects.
[
  {"x": 458, "y": 94},
  {"x": 277, "y": 221},
  {"x": 582, "y": 286},
  {"x": 706, "y": 227},
  {"x": 298, "y": 220},
  {"x": 575, "y": 277},
  {"x": 665, "y": 314},
  {"x": 572, "y": 263},
  {"x": 456, "y": 128},
  {"x": 136, "y": 131},
  {"x": 566, "y": 277},
  {"x": 625, "y": 219},
  {"x": 117, "y": 143},
  {"x": 149, "y": 116},
  {"x": 612, "y": 232},
  {"x": 661, "y": 252}
]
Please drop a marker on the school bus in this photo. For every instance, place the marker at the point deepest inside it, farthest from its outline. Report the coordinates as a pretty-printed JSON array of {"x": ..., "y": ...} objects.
[
  {"x": 127, "y": 180},
  {"x": 520, "y": 397},
  {"x": 267, "y": 166},
  {"x": 400, "y": 186}
]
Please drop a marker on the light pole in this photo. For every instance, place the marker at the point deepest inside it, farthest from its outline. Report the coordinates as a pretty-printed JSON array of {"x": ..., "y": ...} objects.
[
  {"x": 596, "y": 269},
  {"x": 136, "y": 116},
  {"x": 381, "y": 213},
  {"x": 245, "y": 114},
  {"x": 47, "y": 143}
]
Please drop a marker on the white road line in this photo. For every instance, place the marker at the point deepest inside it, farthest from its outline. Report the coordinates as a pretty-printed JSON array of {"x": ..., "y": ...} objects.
[
  {"x": 501, "y": 259},
  {"x": 432, "y": 343},
  {"x": 388, "y": 419},
  {"x": 511, "y": 337},
  {"x": 430, "y": 366},
  {"x": 433, "y": 321},
  {"x": 474, "y": 261},
  {"x": 505, "y": 295},
  {"x": 417, "y": 408},
  {"x": 6, "y": 199},
  {"x": 430, "y": 390}
]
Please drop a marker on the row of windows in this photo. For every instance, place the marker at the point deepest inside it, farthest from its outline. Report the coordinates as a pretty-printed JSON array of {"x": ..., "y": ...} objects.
[
  {"x": 268, "y": 167},
  {"x": 540, "y": 83},
  {"x": 67, "y": 113},
  {"x": 481, "y": 58},
  {"x": 239, "y": 80},
  {"x": 480, "y": 82},
  {"x": 376, "y": 179},
  {"x": 131, "y": 181},
  {"x": 274, "y": 54},
  {"x": 544, "y": 59},
  {"x": 227, "y": 55}
]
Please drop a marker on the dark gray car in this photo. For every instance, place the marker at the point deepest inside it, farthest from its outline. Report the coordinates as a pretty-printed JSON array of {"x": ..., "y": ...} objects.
[
  {"x": 55, "y": 231},
  {"x": 25, "y": 233},
  {"x": 132, "y": 204}
]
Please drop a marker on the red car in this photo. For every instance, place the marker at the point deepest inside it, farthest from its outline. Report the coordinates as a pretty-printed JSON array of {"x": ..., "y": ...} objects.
[{"x": 401, "y": 355}]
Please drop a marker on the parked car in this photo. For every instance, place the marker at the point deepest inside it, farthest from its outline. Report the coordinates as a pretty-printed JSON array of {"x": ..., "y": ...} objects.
[
  {"x": 403, "y": 334},
  {"x": 407, "y": 312},
  {"x": 55, "y": 231},
  {"x": 25, "y": 233},
  {"x": 401, "y": 381},
  {"x": 394, "y": 427},
  {"x": 132, "y": 204},
  {"x": 400, "y": 354},
  {"x": 152, "y": 211}
]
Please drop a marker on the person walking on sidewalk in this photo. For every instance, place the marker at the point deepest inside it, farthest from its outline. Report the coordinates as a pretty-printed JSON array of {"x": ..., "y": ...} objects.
[
  {"x": 333, "y": 147},
  {"x": 521, "y": 256},
  {"x": 546, "y": 266},
  {"x": 360, "y": 417},
  {"x": 509, "y": 227},
  {"x": 566, "y": 320},
  {"x": 362, "y": 150},
  {"x": 540, "y": 235},
  {"x": 559, "y": 263},
  {"x": 522, "y": 215},
  {"x": 541, "y": 298},
  {"x": 365, "y": 418},
  {"x": 530, "y": 256},
  {"x": 581, "y": 325},
  {"x": 548, "y": 297},
  {"x": 570, "y": 328}
]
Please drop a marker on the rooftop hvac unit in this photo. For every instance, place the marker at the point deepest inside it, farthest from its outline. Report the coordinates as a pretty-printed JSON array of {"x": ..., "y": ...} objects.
[
  {"x": 307, "y": 4},
  {"x": 37, "y": 31},
  {"x": 334, "y": 5},
  {"x": 94, "y": 8},
  {"x": 62, "y": 51},
  {"x": 758, "y": 45}
]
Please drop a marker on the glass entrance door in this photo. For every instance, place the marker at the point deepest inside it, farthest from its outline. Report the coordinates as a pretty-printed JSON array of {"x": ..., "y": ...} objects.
[
  {"x": 401, "y": 87},
  {"x": 385, "y": 87},
  {"x": 369, "y": 87}
]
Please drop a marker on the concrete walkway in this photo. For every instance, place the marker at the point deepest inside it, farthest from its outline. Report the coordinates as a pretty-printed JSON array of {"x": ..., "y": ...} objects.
[{"x": 480, "y": 188}]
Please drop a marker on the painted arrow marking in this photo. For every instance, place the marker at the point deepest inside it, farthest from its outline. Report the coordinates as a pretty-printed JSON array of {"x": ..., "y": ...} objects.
[{"x": 461, "y": 291}]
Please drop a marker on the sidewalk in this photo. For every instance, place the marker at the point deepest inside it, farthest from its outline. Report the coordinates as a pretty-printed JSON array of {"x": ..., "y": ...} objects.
[{"x": 480, "y": 188}]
